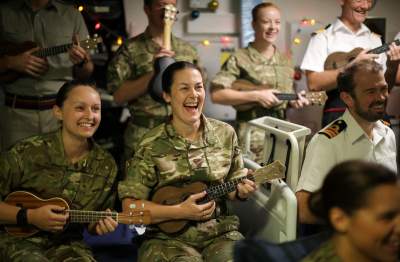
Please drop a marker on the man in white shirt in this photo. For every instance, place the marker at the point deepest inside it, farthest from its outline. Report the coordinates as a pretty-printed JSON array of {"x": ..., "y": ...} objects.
[
  {"x": 358, "y": 134},
  {"x": 397, "y": 37},
  {"x": 345, "y": 34}
]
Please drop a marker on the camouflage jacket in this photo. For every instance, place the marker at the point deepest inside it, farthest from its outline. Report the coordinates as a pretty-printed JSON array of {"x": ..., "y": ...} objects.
[
  {"x": 166, "y": 158},
  {"x": 326, "y": 252},
  {"x": 248, "y": 64},
  {"x": 134, "y": 59},
  {"x": 38, "y": 165}
]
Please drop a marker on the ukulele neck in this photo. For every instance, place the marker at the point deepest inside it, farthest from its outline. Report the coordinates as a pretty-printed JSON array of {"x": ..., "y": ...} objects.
[
  {"x": 220, "y": 190},
  {"x": 82, "y": 216}
]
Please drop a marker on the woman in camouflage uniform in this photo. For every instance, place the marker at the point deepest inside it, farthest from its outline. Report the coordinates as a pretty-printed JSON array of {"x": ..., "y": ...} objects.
[
  {"x": 66, "y": 164},
  {"x": 188, "y": 148},
  {"x": 266, "y": 71},
  {"x": 361, "y": 203}
]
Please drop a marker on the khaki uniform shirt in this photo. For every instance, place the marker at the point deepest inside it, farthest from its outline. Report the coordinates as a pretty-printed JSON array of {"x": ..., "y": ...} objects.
[
  {"x": 51, "y": 26},
  {"x": 39, "y": 165},
  {"x": 248, "y": 64},
  {"x": 135, "y": 59},
  {"x": 165, "y": 158}
]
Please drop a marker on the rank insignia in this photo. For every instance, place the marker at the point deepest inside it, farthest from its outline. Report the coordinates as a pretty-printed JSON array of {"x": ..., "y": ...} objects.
[{"x": 333, "y": 129}]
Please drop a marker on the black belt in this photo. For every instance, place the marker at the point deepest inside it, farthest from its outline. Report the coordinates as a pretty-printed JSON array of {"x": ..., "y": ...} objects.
[{"x": 30, "y": 102}]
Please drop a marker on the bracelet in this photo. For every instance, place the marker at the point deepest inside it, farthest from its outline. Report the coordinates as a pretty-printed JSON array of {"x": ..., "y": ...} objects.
[
  {"x": 240, "y": 198},
  {"x": 22, "y": 217}
]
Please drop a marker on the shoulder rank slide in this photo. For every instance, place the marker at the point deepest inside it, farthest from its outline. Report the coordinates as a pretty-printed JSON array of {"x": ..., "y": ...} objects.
[
  {"x": 386, "y": 123},
  {"x": 334, "y": 129}
]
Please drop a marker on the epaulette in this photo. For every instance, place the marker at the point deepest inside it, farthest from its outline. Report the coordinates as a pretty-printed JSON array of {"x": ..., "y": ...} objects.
[
  {"x": 316, "y": 32},
  {"x": 376, "y": 34},
  {"x": 386, "y": 123},
  {"x": 334, "y": 129}
]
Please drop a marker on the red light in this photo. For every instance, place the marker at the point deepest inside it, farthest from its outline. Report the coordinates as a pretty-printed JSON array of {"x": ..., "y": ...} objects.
[
  {"x": 297, "y": 75},
  {"x": 225, "y": 39},
  {"x": 97, "y": 26},
  {"x": 304, "y": 22}
]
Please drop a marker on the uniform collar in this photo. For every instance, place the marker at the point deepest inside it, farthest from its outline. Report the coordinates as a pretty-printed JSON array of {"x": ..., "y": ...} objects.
[
  {"x": 57, "y": 152},
  {"x": 258, "y": 58},
  {"x": 338, "y": 25},
  {"x": 209, "y": 138},
  {"x": 355, "y": 132}
]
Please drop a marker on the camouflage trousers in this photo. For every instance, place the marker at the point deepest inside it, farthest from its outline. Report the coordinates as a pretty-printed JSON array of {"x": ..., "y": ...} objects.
[
  {"x": 41, "y": 249},
  {"x": 219, "y": 249}
]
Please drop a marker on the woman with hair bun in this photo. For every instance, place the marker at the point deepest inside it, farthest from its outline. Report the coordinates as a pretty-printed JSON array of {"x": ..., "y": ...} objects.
[{"x": 360, "y": 201}]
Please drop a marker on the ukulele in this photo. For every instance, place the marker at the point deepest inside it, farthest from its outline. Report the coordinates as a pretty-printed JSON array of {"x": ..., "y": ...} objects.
[
  {"x": 171, "y": 195},
  {"x": 161, "y": 63},
  {"x": 340, "y": 59},
  {"x": 140, "y": 216},
  {"x": 315, "y": 98},
  {"x": 14, "y": 49}
]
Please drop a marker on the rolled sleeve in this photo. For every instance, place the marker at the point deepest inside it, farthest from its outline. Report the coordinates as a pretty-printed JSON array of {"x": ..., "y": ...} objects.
[
  {"x": 229, "y": 72},
  {"x": 119, "y": 69},
  {"x": 141, "y": 177}
]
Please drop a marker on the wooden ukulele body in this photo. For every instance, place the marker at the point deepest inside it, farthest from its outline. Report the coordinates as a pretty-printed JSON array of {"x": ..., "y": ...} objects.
[
  {"x": 29, "y": 201},
  {"x": 171, "y": 195}
]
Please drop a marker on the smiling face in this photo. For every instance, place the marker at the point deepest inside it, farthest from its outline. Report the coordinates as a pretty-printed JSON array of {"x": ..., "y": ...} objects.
[
  {"x": 355, "y": 12},
  {"x": 186, "y": 97},
  {"x": 80, "y": 113},
  {"x": 267, "y": 24},
  {"x": 373, "y": 231},
  {"x": 370, "y": 96}
]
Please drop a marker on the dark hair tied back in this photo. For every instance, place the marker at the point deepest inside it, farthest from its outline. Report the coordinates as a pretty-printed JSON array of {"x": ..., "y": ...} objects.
[
  {"x": 347, "y": 186},
  {"x": 169, "y": 73}
]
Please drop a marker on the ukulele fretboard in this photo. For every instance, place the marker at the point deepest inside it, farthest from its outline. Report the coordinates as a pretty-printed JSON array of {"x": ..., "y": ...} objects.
[
  {"x": 52, "y": 51},
  {"x": 382, "y": 48},
  {"x": 82, "y": 216},
  {"x": 220, "y": 190},
  {"x": 286, "y": 96}
]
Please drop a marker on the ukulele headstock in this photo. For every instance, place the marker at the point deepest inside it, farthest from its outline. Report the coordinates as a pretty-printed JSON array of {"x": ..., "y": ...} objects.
[
  {"x": 91, "y": 42},
  {"x": 316, "y": 98},
  {"x": 170, "y": 13},
  {"x": 264, "y": 174},
  {"x": 137, "y": 214}
]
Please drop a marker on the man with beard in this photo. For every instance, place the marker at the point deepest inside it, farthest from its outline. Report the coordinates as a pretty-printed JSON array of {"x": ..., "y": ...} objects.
[
  {"x": 343, "y": 35},
  {"x": 358, "y": 134}
]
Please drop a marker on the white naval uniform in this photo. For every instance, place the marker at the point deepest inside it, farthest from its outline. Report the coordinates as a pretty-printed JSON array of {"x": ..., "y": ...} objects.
[
  {"x": 351, "y": 143},
  {"x": 338, "y": 38}
]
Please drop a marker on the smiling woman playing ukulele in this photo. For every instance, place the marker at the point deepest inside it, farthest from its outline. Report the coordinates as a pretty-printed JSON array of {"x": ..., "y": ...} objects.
[
  {"x": 252, "y": 77},
  {"x": 189, "y": 148},
  {"x": 66, "y": 164}
]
